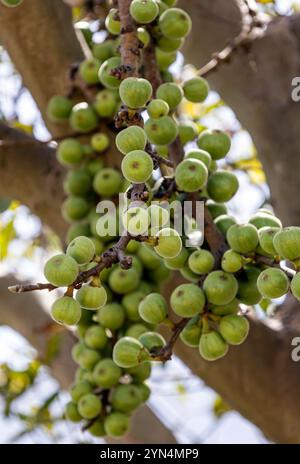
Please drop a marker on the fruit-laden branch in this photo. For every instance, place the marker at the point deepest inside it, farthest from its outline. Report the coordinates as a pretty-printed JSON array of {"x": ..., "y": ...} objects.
[{"x": 34, "y": 324}]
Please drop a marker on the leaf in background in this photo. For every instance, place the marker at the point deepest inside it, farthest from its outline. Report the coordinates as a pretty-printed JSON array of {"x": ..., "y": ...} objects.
[
  {"x": 22, "y": 127},
  {"x": 220, "y": 407},
  {"x": 253, "y": 167},
  {"x": 7, "y": 233},
  {"x": 52, "y": 348}
]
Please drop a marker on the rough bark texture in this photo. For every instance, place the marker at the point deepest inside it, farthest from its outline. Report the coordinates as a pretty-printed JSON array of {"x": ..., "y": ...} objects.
[
  {"x": 258, "y": 378},
  {"x": 27, "y": 316}
]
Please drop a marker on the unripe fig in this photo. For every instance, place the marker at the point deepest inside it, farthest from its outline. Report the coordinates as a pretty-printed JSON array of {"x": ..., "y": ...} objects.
[
  {"x": 169, "y": 45},
  {"x": 295, "y": 286},
  {"x": 157, "y": 108},
  {"x": 100, "y": 142},
  {"x": 123, "y": 281},
  {"x": 266, "y": 236},
  {"x": 106, "y": 103},
  {"x": 261, "y": 219},
  {"x": 191, "y": 334},
  {"x": 148, "y": 257},
  {"x": 137, "y": 166},
  {"x": 87, "y": 358},
  {"x": 212, "y": 346},
  {"x": 11, "y": 3},
  {"x": 94, "y": 166},
  {"x": 189, "y": 275},
  {"x": 158, "y": 216},
  {"x": 90, "y": 297},
  {"x": 75, "y": 208},
  {"x": 224, "y": 310},
  {"x": 175, "y": 23},
  {"x": 89, "y": 406},
  {"x": 248, "y": 293},
  {"x": 61, "y": 270},
  {"x": 107, "y": 182},
  {"x": 179, "y": 261},
  {"x": 81, "y": 249},
  {"x": 66, "y": 310},
  {"x": 116, "y": 424},
  {"x": 187, "y": 131},
  {"x": 231, "y": 261},
  {"x": 220, "y": 287},
  {"x": 153, "y": 341},
  {"x": 88, "y": 71},
  {"x": 135, "y": 92},
  {"x": 106, "y": 373},
  {"x": 196, "y": 89},
  {"x": 140, "y": 373},
  {"x": 153, "y": 308},
  {"x": 59, "y": 108},
  {"x": 131, "y": 302},
  {"x": 191, "y": 175},
  {"x": 83, "y": 118},
  {"x": 203, "y": 156},
  {"x": 129, "y": 352},
  {"x": 169, "y": 243},
  {"x": 287, "y": 243},
  {"x": 130, "y": 139},
  {"x": 222, "y": 186},
  {"x": 162, "y": 131},
  {"x": 112, "y": 24},
  {"x": 78, "y": 182},
  {"x": 216, "y": 209},
  {"x": 242, "y": 238},
  {"x": 80, "y": 389},
  {"x": 76, "y": 230},
  {"x": 273, "y": 283},
  {"x": 71, "y": 412},
  {"x": 201, "y": 262},
  {"x": 111, "y": 316},
  {"x": 97, "y": 428},
  {"x": 171, "y": 93},
  {"x": 234, "y": 329},
  {"x": 224, "y": 222},
  {"x": 69, "y": 152},
  {"x": 95, "y": 337},
  {"x": 107, "y": 79},
  {"x": 104, "y": 50},
  {"x": 143, "y": 36},
  {"x": 164, "y": 60},
  {"x": 187, "y": 300},
  {"x": 144, "y": 11},
  {"x": 216, "y": 142},
  {"x": 145, "y": 391},
  {"x": 136, "y": 330}
]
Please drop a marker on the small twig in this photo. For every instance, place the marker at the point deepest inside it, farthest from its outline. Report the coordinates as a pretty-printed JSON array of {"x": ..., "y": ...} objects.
[{"x": 165, "y": 353}]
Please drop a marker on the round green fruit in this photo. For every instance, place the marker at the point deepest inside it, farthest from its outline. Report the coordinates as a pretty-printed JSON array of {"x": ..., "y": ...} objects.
[
  {"x": 78, "y": 182},
  {"x": 95, "y": 337},
  {"x": 242, "y": 238},
  {"x": 11, "y": 3},
  {"x": 135, "y": 92},
  {"x": 231, "y": 261},
  {"x": 100, "y": 142},
  {"x": 69, "y": 152},
  {"x": 140, "y": 373},
  {"x": 82, "y": 249},
  {"x": 136, "y": 220},
  {"x": 66, "y": 310},
  {"x": 80, "y": 389},
  {"x": 61, "y": 270},
  {"x": 83, "y": 118},
  {"x": 224, "y": 222},
  {"x": 104, "y": 50},
  {"x": 266, "y": 236},
  {"x": 137, "y": 166},
  {"x": 220, "y": 287},
  {"x": 224, "y": 310},
  {"x": 71, "y": 412},
  {"x": 59, "y": 108},
  {"x": 107, "y": 79},
  {"x": 248, "y": 292},
  {"x": 287, "y": 243},
  {"x": 191, "y": 334},
  {"x": 168, "y": 45},
  {"x": 112, "y": 24},
  {"x": 222, "y": 186},
  {"x": 188, "y": 131},
  {"x": 191, "y": 175},
  {"x": 131, "y": 303},
  {"x": 216, "y": 142},
  {"x": 144, "y": 11},
  {"x": 200, "y": 155},
  {"x": 105, "y": 103},
  {"x": 129, "y": 352},
  {"x": 123, "y": 281},
  {"x": 169, "y": 243},
  {"x": 88, "y": 71},
  {"x": 116, "y": 424},
  {"x": 212, "y": 346},
  {"x": 179, "y": 261},
  {"x": 164, "y": 60},
  {"x": 111, "y": 316},
  {"x": 262, "y": 219},
  {"x": 143, "y": 36},
  {"x": 153, "y": 309},
  {"x": 89, "y": 406},
  {"x": 153, "y": 341},
  {"x": 136, "y": 330},
  {"x": 273, "y": 283},
  {"x": 158, "y": 108},
  {"x": 75, "y": 208},
  {"x": 106, "y": 373},
  {"x": 126, "y": 398},
  {"x": 201, "y": 262},
  {"x": 90, "y": 297},
  {"x": 171, "y": 93},
  {"x": 187, "y": 300},
  {"x": 175, "y": 23},
  {"x": 97, "y": 428},
  {"x": 234, "y": 329},
  {"x": 149, "y": 258},
  {"x": 295, "y": 286},
  {"x": 196, "y": 89},
  {"x": 162, "y": 131},
  {"x": 216, "y": 209},
  {"x": 76, "y": 230},
  {"x": 130, "y": 139},
  {"x": 107, "y": 182}
]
